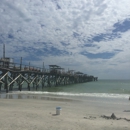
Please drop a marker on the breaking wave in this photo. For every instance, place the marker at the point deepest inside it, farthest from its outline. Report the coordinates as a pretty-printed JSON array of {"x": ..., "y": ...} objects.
[{"x": 107, "y": 95}]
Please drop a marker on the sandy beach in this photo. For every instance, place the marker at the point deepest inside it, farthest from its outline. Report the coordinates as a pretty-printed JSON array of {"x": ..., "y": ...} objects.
[{"x": 40, "y": 114}]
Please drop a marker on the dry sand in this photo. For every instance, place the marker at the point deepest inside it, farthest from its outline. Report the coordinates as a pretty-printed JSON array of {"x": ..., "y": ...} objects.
[{"x": 40, "y": 114}]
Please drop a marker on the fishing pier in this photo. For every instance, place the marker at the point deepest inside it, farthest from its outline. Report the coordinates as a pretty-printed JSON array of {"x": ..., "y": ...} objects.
[{"x": 14, "y": 74}]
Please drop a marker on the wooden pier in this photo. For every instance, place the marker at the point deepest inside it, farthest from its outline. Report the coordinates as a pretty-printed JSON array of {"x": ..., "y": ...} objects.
[{"x": 12, "y": 73}]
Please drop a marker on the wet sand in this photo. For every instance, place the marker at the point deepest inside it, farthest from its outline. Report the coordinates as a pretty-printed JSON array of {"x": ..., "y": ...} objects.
[{"x": 39, "y": 113}]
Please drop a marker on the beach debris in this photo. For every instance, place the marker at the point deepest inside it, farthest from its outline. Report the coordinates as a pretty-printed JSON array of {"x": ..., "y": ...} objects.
[
  {"x": 114, "y": 117},
  {"x": 90, "y": 117},
  {"x": 126, "y": 110}
]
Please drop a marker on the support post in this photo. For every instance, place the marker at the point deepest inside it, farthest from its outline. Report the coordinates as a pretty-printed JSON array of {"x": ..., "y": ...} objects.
[
  {"x": 36, "y": 82},
  {"x": 48, "y": 81},
  {"x": 43, "y": 82},
  {"x": 19, "y": 82},
  {"x": 28, "y": 80},
  {"x": 6, "y": 83},
  {"x": 13, "y": 76}
]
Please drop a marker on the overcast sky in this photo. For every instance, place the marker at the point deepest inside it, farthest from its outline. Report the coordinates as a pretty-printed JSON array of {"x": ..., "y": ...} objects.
[{"x": 91, "y": 36}]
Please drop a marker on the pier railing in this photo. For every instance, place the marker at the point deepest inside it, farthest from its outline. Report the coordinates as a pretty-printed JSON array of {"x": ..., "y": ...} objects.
[
  {"x": 21, "y": 67},
  {"x": 4, "y": 64}
]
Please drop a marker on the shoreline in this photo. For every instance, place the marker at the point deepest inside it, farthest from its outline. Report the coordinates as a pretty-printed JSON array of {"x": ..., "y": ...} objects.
[
  {"x": 39, "y": 114},
  {"x": 69, "y": 94}
]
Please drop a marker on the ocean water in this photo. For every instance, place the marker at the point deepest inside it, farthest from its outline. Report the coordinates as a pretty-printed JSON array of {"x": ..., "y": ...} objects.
[{"x": 100, "y": 88}]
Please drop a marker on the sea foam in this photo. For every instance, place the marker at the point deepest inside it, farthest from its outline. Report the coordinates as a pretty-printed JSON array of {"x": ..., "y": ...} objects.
[{"x": 107, "y": 95}]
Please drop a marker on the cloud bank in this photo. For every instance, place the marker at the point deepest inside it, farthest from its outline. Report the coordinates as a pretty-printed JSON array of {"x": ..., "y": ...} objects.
[{"x": 85, "y": 35}]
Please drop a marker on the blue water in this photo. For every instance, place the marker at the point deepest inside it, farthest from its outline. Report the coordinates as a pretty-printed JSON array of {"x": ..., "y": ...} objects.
[
  {"x": 113, "y": 88},
  {"x": 101, "y": 88}
]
